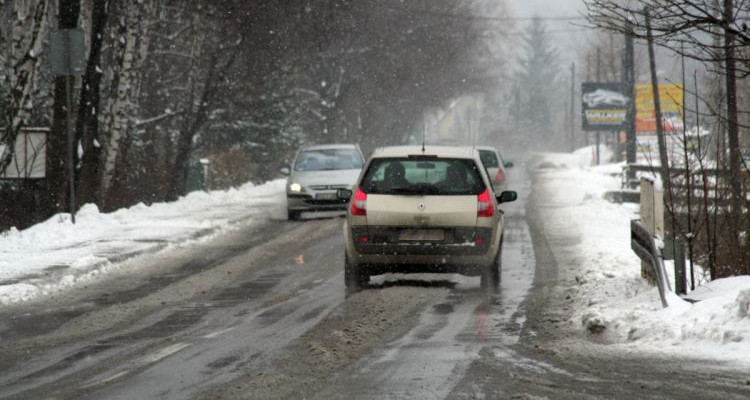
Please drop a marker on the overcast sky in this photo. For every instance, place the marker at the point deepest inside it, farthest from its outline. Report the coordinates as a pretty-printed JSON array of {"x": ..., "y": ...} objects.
[{"x": 545, "y": 7}]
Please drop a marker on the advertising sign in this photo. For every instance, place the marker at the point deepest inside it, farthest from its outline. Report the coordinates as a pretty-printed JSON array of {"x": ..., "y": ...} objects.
[
  {"x": 604, "y": 106},
  {"x": 670, "y": 98}
]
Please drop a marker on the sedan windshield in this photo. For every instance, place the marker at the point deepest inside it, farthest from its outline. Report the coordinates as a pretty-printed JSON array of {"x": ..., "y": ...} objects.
[
  {"x": 422, "y": 177},
  {"x": 328, "y": 160}
]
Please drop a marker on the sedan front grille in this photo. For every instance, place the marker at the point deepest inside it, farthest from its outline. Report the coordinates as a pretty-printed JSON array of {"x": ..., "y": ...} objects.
[{"x": 328, "y": 187}]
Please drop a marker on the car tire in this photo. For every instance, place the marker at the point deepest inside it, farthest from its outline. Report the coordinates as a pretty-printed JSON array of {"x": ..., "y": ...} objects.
[
  {"x": 490, "y": 278},
  {"x": 355, "y": 278},
  {"x": 292, "y": 215}
]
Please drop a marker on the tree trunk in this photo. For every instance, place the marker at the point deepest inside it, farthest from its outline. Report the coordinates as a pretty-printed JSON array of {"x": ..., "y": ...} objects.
[
  {"x": 187, "y": 132},
  {"x": 121, "y": 108},
  {"x": 28, "y": 33},
  {"x": 87, "y": 128},
  {"x": 663, "y": 159}
]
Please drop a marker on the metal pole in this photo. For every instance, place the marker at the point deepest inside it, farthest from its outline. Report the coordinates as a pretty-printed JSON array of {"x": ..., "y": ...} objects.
[
  {"x": 572, "y": 106},
  {"x": 688, "y": 174},
  {"x": 69, "y": 127},
  {"x": 629, "y": 81},
  {"x": 705, "y": 190},
  {"x": 679, "y": 267},
  {"x": 598, "y": 79},
  {"x": 71, "y": 147}
]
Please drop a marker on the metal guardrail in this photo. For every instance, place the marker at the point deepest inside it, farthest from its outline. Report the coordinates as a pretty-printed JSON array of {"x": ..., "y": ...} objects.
[{"x": 645, "y": 246}]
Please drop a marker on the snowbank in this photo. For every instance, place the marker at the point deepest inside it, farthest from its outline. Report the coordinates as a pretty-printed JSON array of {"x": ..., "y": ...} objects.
[
  {"x": 56, "y": 254},
  {"x": 612, "y": 302}
]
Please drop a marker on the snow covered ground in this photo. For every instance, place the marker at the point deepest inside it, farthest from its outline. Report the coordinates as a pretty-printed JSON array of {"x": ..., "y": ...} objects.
[
  {"x": 56, "y": 254},
  {"x": 611, "y": 293}
]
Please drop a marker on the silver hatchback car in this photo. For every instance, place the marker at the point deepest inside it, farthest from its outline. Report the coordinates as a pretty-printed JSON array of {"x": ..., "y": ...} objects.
[
  {"x": 317, "y": 173},
  {"x": 428, "y": 210}
]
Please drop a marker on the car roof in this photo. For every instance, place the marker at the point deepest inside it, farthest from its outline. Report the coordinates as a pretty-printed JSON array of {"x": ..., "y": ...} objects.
[
  {"x": 486, "y": 148},
  {"x": 330, "y": 146},
  {"x": 439, "y": 151}
]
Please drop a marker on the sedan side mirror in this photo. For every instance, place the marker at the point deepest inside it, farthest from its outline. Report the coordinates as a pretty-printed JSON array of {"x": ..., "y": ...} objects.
[
  {"x": 285, "y": 171},
  {"x": 507, "y": 196},
  {"x": 344, "y": 194},
  {"x": 508, "y": 164}
]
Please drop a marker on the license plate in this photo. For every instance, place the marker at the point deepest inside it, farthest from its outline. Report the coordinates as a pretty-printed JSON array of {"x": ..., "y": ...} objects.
[
  {"x": 325, "y": 196},
  {"x": 422, "y": 235}
]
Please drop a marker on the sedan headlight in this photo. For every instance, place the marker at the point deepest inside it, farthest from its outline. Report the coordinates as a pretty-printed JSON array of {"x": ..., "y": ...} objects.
[{"x": 295, "y": 187}]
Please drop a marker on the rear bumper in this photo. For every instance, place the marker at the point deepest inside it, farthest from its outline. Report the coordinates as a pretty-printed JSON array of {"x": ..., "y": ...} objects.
[
  {"x": 426, "y": 249},
  {"x": 458, "y": 254},
  {"x": 463, "y": 269}
]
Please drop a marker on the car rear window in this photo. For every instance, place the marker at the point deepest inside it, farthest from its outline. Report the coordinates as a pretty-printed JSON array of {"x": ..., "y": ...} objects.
[
  {"x": 435, "y": 176},
  {"x": 489, "y": 159},
  {"x": 328, "y": 160}
]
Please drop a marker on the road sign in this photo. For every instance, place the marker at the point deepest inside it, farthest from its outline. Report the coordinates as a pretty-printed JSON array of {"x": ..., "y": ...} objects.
[{"x": 67, "y": 52}]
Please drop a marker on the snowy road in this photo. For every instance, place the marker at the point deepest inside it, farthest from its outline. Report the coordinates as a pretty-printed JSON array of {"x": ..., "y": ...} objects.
[{"x": 259, "y": 312}]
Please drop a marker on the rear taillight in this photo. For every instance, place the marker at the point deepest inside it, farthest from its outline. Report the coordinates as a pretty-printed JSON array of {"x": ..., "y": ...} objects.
[
  {"x": 485, "y": 208},
  {"x": 500, "y": 176},
  {"x": 359, "y": 203}
]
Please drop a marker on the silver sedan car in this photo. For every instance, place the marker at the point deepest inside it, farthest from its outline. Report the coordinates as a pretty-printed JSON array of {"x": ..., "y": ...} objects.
[{"x": 317, "y": 173}]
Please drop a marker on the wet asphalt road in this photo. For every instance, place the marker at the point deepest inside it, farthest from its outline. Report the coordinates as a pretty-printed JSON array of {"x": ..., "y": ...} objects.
[{"x": 260, "y": 312}]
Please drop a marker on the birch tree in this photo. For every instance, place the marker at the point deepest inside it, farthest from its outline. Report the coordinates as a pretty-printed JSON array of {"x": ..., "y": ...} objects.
[
  {"x": 132, "y": 18},
  {"x": 22, "y": 66}
]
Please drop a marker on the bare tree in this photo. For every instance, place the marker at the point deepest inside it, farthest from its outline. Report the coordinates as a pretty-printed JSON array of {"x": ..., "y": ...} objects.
[
  {"x": 121, "y": 107},
  {"x": 713, "y": 32},
  {"x": 23, "y": 65}
]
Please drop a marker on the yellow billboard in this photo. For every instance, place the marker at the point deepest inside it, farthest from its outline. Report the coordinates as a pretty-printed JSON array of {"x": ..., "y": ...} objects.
[{"x": 670, "y": 99}]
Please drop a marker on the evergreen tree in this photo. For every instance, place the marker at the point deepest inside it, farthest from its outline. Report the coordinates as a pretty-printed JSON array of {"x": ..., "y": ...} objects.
[{"x": 536, "y": 79}]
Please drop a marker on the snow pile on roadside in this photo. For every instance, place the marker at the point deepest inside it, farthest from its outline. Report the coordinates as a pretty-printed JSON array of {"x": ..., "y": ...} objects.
[
  {"x": 612, "y": 302},
  {"x": 56, "y": 253}
]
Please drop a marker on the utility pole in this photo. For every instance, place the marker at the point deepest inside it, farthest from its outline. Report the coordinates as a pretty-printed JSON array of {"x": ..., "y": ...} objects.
[
  {"x": 66, "y": 54},
  {"x": 517, "y": 105},
  {"x": 732, "y": 121},
  {"x": 657, "y": 111},
  {"x": 709, "y": 241},
  {"x": 688, "y": 173},
  {"x": 628, "y": 79},
  {"x": 599, "y": 80},
  {"x": 572, "y": 106}
]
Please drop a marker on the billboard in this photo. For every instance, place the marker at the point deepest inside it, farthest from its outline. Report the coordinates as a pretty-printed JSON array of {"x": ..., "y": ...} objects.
[
  {"x": 604, "y": 106},
  {"x": 670, "y": 98}
]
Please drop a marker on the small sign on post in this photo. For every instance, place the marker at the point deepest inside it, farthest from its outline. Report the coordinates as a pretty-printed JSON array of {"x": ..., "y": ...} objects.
[
  {"x": 67, "y": 52},
  {"x": 68, "y": 59},
  {"x": 652, "y": 217}
]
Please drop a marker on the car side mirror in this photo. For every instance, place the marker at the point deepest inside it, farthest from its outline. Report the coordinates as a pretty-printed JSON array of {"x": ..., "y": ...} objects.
[
  {"x": 508, "y": 164},
  {"x": 285, "y": 171},
  {"x": 344, "y": 194},
  {"x": 507, "y": 196}
]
